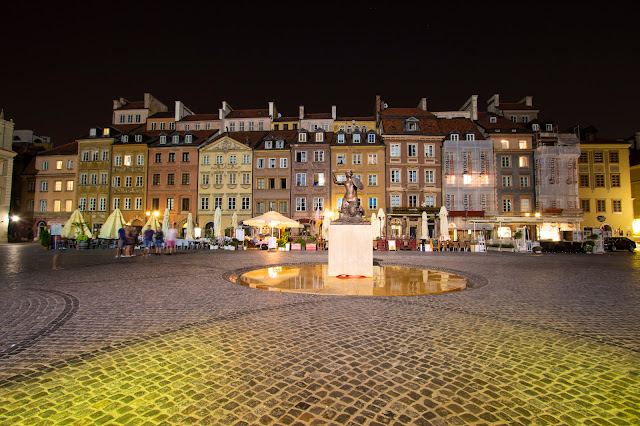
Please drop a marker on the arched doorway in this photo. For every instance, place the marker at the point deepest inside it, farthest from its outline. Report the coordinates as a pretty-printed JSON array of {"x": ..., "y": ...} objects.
[{"x": 41, "y": 225}]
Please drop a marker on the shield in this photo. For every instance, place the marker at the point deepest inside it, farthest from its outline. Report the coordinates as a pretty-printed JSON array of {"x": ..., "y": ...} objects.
[
  {"x": 444, "y": 223},
  {"x": 357, "y": 183},
  {"x": 76, "y": 226},
  {"x": 190, "y": 227},
  {"x": 114, "y": 222}
]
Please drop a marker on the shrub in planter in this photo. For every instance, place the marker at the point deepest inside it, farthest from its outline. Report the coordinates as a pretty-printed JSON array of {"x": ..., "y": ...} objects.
[
  {"x": 506, "y": 245},
  {"x": 302, "y": 242},
  {"x": 45, "y": 238}
]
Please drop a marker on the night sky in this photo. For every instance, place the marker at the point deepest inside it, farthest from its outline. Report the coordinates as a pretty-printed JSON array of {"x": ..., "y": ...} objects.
[{"x": 67, "y": 62}]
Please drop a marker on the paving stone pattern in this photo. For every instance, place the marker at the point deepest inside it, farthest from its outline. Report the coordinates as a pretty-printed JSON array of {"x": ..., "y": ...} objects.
[{"x": 538, "y": 339}]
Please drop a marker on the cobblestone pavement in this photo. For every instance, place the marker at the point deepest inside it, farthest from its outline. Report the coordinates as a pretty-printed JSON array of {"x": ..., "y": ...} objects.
[{"x": 539, "y": 339}]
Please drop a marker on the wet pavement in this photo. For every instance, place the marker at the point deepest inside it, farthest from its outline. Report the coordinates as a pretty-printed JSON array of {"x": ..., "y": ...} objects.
[{"x": 536, "y": 339}]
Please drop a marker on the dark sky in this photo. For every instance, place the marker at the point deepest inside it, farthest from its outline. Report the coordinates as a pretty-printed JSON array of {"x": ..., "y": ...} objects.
[{"x": 68, "y": 60}]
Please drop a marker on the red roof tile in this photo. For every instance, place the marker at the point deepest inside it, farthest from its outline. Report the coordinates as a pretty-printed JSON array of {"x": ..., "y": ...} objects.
[
  {"x": 248, "y": 113},
  {"x": 462, "y": 125},
  {"x": 484, "y": 121},
  {"x": 396, "y": 126},
  {"x": 70, "y": 148},
  {"x": 199, "y": 117}
]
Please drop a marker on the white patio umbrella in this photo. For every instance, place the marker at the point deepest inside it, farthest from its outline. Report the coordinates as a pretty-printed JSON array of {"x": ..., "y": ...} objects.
[
  {"x": 166, "y": 220},
  {"x": 425, "y": 231},
  {"x": 326, "y": 222},
  {"x": 190, "y": 227},
  {"x": 217, "y": 223},
  {"x": 375, "y": 226},
  {"x": 234, "y": 221},
  {"x": 114, "y": 222},
  {"x": 444, "y": 223},
  {"x": 273, "y": 220},
  {"x": 381, "y": 218},
  {"x": 153, "y": 222},
  {"x": 75, "y": 226}
]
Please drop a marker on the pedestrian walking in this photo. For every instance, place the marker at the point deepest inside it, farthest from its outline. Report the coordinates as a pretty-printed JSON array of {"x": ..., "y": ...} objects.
[
  {"x": 172, "y": 235},
  {"x": 131, "y": 241},
  {"x": 121, "y": 243},
  {"x": 148, "y": 240},
  {"x": 57, "y": 250},
  {"x": 159, "y": 241}
]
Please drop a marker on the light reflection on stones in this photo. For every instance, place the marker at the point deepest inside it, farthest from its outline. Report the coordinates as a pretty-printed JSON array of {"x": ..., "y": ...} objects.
[{"x": 386, "y": 281}]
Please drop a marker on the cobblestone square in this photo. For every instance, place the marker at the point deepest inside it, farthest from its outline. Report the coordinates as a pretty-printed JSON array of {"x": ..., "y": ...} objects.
[{"x": 536, "y": 339}]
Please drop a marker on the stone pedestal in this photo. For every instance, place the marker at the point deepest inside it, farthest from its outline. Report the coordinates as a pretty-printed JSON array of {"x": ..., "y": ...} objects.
[{"x": 350, "y": 250}]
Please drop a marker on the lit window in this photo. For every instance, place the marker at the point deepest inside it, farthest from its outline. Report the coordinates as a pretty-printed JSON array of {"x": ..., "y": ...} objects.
[
  {"x": 523, "y": 161},
  {"x": 504, "y": 143},
  {"x": 522, "y": 144}
]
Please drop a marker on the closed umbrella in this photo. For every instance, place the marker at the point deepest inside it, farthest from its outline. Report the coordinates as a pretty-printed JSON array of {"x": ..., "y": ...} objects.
[
  {"x": 381, "y": 218},
  {"x": 75, "y": 226},
  {"x": 424, "y": 235},
  {"x": 217, "y": 223},
  {"x": 375, "y": 226},
  {"x": 190, "y": 227},
  {"x": 114, "y": 222},
  {"x": 234, "y": 220},
  {"x": 325, "y": 224},
  {"x": 165, "y": 221},
  {"x": 153, "y": 222},
  {"x": 444, "y": 224}
]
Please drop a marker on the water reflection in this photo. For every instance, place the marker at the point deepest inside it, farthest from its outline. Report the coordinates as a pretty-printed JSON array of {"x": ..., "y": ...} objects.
[{"x": 386, "y": 281}]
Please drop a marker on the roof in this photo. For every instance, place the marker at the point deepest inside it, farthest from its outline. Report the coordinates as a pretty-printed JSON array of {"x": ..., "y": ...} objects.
[
  {"x": 462, "y": 125},
  {"x": 70, "y": 148},
  {"x": 203, "y": 117},
  {"x": 318, "y": 116},
  {"x": 126, "y": 128},
  {"x": 502, "y": 123},
  {"x": 248, "y": 113},
  {"x": 162, "y": 114},
  {"x": 292, "y": 118},
  {"x": 603, "y": 141},
  {"x": 405, "y": 112},
  {"x": 289, "y": 137},
  {"x": 396, "y": 126},
  {"x": 371, "y": 118},
  {"x": 132, "y": 105}
]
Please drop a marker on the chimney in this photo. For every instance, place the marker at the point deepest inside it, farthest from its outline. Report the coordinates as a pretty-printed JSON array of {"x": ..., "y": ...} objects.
[
  {"x": 527, "y": 101},
  {"x": 333, "y": 111},
  {"x": 178, "y": 111},
  {"x": 272, "y": 110},
  {"x": 423, "y": 104},
  {"x": 147, "y": 100},
  {"x": 493, "y": 104},
  {"x": 301, "y": 112},
  {"x": 472, "y": 107}
]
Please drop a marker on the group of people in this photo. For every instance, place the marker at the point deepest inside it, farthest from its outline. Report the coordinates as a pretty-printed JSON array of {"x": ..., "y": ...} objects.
[{"x": 128, "y": 236}]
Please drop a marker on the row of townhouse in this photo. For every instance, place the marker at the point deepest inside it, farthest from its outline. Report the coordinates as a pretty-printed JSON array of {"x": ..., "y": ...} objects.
[{"x": 500, "y": 169}]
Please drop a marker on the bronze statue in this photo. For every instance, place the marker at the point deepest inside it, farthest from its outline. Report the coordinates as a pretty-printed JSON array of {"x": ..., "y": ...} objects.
[{"x": 351, "y": 211}]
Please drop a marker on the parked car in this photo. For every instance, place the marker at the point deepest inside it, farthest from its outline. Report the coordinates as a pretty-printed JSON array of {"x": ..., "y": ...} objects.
[{"x": 619, "y": 243}]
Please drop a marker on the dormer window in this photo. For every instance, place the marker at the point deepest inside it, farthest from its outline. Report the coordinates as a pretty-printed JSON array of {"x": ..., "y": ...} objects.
[
  {"x": 105, "y": 132},
  {"x": 340, "y": 137},
  {"x": 302, "y": 137},
  {"x": 411, "y": 125},
  {"x": 371, "y": 137},
  {"x": 93, "y": 132},
  {"x": 342, "y": 128},
  {"x": 319, "y": 137},
  {"x": 268, "y": 144},
  {"x": 125, "y": 138},
  {"x": 188, "y": 138},
  {"x": 355, "y": 138},
  {"x": 163, "y": 139},
  {"x": 471, "y": 137},
  {"x": 356, "y": 129},
  {"x": 549, "y": 127},
  {"x": 138, "y": 138},
  {"x": 493, "y": 120},
  {"x": 176, "y": 139},
  {"x": 364, "y": 129},
  {"x": 535, "y": 127},
  {"x": 279, "y": 144},
  {"x": 454, "y": 137}
]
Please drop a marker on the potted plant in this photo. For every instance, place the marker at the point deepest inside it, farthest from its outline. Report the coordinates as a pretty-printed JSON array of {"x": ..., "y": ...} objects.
[
  {"x": 82, "y": 241},
  {"x": 45, "y": 238}
]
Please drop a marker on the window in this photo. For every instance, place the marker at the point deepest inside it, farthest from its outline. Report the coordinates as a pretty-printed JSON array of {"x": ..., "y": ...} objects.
[
  {"x": 318, "y": 156},
  {"x": 301, "y": 179},
  {"x": 584, "y": 157},
  {"x": 260, "y": 207},
  {"x": 272, "y": 163},
  {"x": 340, "y": 160},
  {"x": 245, "y": 203},
  {"x": 171, "y": 179},
  {"x": 43, "y": 205},
  {"x": 69, "y": 164},
  {"x": 413, "y": 176},
  {"x": 302, "y": 137},
  {"x": 59, "y": 165},
  {"x": 218, "y": 159},
  {"x": 395, "y": 176},
  {"x": 318, "y": 204},
  {"x": 205, "y": 159},
  {"x": 102, "y": 204},
  {"x": 395, "y": 201},
  {"x": 260, "y": 125},
  {"x": 373, "y": 180},
  {"x": 429, "y": 201},
  {"x": 319, "y": 137},
  {"x": 172, "y": 157},
  {"x": 522, "y": 144},
  {"x": 246, "y": 159},
  {"x": 283, "y": 163},
  {"x": 615, "y": 181},
  {"x": 523, "y": 161},
  {"x": 185, "y": 157},
  {"x": 93, "y": 178},
  {"x": 372, "y": 159},
  {"x": 454, "y": 137},
  {"x": 301, "y": 204},
  {"x": 301, "y": 156},
  {"x": 505, "y": 160},
  {"x": 428, "y": 151},
  {"x": 205, "y": 179},
  {"x": 506, "y": 181},
  {"x": 82, "y": 204},
  {"x": 613, "y": 157},
  {"x": 232, "y": 126},
  {"x": 83, "y": 179},
  {"x": 246, "y": 178},
  {"x": 231, "y": 203},
  {"x": 283, "y": 207},
  {"x": 413, "y": 201},
  {"x": 189, "y": 138},
  {"x": 218, "y": 179},
  {"x": 373, "y": 203},
  {"x": 163, "y": 139},
  {"x": 513, "y": 118},
  {"x": 597, "y": 157},
  {"x": 232, "y": 159},
  {"x": 128, "y": 160},
  {"x": 585, "y": 205},
  {"x": 259, "y": 183},
  {"x": 356, "y": 159},
  {"x": 395, "y": 150},
  {"x": 616, "y": 206},
  {"x": 504, "y": 143},
  {"x": 116, "y": 181},
  {"x": 140, "y": 160},
  {"x": 186, "y": 178},
  {"x": 232, "y": 178},
  {"x": 155, "y": 179},
  {"x": 601, "y": 206},
  {"x": 429, "y": 176},
  {"x": 318, "y": 179},
  {"x": 204, "y": 203},
  {"x": 340, "y": 138},
  {"x": 158, "y": 158},
  {"x": 283, "y": 183},
  {"x": 70, "y": 185},
  {"x": 599, "y": 180},
  {"x": 412, "y": 150},
  {"x": 176, "y": 138},
  {"x": 584, "y": 181},
  {"x": 524, "y": 181},
  {"x": 371, "y": 137},
  {"x": 525, "y": 205},
  {"x": 127, "y": 181},
  {"x": 260, "y": 163},
  {"x": 355, "y": 138},
  {"x": 57, "y": 186},
  {"x": 45, "y": 165},
  {"x": 507, "y": 205},
  {"x": 138, "y": 181},
  {"x": 85, "y": 155},
  {"x": 117, "y": 161},
  {"x": 470, "y": 136},
  {"x": 44, "y": 186}
]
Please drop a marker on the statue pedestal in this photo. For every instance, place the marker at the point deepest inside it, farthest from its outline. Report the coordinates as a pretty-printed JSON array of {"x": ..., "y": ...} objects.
[{"x": 350, "y": 250}]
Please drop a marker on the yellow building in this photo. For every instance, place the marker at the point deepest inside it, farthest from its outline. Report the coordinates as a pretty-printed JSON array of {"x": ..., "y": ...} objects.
[
  {"x": 225, "y": 175},
  {"x": 354, "y": 124},
  {"x": 6, "y": 173},
  {"x": 129, "y": 178},
  {"x": 605, "y": 184}
]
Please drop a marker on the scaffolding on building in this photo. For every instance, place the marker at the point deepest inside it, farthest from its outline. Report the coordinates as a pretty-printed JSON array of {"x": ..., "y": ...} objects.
[{"x": 556, "y": 159}]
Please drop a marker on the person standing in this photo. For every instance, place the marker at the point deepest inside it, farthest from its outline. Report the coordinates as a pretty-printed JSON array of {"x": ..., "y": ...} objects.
[
  {"x": 172, "y": 235},
  {"x": 159, "y": 241},
  {"x": 148, "y": 240},
  {"x": 131, "y": 241},
  {"x": 122, "y": 242}
]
